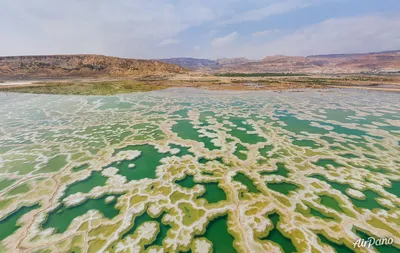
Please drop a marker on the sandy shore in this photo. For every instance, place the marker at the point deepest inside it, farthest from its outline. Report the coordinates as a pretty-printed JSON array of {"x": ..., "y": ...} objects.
[{"x": 16, "y": 83}]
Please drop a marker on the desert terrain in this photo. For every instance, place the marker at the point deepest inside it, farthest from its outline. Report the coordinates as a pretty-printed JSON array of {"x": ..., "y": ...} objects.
[{"x": 104, "y": 75}]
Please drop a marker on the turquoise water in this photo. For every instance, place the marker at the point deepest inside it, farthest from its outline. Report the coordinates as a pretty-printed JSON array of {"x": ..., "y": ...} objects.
[
  {"x": 61, "y": 218},
  {"x": 85, "y": 186},
  {"x": 284, "y": 188},
  {"x": 339, "y": 248},
  {"x": 242, "y": 178},
  {"x": 282, "y": 147},
  {"x": 277, "y": 237},
  {"x": 213, "y": 193},
  {"x": 217, "y": 233},
  {"x": 9, "y": 224},
  {"x": 144, "y": 167}
]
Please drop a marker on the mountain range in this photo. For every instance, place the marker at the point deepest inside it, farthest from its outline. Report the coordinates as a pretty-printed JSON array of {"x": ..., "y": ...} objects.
[
  {"x": 84, "y": 65},
  {"x": 386, "y": 62}
]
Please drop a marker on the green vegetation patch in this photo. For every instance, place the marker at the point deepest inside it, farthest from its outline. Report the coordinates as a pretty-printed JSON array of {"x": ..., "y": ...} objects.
[{"x": 190, "y": 213}]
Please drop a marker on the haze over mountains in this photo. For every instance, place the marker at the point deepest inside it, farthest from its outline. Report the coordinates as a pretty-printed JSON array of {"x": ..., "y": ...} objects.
[{"x": 388, "y": 61}]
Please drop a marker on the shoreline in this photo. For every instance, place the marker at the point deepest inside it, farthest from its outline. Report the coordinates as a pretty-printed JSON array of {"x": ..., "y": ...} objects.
[{"x": 113, "y": 86}]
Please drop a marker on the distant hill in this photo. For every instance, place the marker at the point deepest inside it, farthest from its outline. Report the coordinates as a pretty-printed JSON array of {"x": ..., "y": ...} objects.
[
  {"x": 193, "y": 63},
  {"x": 385, "y": 62},
  {"x": 205, "y": 64},
  {"x": 352, "y": 55},
  {"x": 67, "y": 66},
  {"x": 232, "y": 61}
]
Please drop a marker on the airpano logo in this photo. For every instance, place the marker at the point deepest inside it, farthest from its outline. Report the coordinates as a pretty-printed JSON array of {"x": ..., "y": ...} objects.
[{"x": 371, "y": 241}]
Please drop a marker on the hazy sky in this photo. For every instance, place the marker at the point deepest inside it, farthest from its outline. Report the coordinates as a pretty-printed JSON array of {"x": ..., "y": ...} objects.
[{"x": 198, "y": 28}]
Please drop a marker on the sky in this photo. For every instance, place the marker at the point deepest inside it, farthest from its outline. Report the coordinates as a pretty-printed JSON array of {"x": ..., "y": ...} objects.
[{"x": 209, "y": 29}]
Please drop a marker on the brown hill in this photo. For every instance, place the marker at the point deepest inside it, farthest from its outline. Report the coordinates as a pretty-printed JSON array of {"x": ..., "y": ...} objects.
[
  {"x": 232, "y": 61},
  {"x": 69, "y": 66},
  {"x": 342, "y": 63}
]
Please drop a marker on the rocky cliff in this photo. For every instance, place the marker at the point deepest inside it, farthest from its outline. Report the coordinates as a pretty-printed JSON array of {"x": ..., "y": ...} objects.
[{"x": 70, "y": 66}]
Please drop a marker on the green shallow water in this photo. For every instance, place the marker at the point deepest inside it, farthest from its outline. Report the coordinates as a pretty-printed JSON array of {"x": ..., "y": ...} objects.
[
  {"x": 186, "y": 130},
  {"x": 61, "y": 218},
  {"x": 86, "y": 185},
  {"x": 9, "y": 224},
  {"x": 242, "y": 178},
  {"x": 277, "y": 237},
  {"x": 243, "y": 135},
  {"x": 217, "y": 233},
  {"x": 281, "y": 171},
  {"x": 140, "y": 219},
  {"x": 370, "y": 201},
  {"x": 331, "y": 202},
  {"x": 338, "y": 248},
  {"x": 284, "y": 188},
  {"x": 241, "y": 152},
  {"x": 213, "y": 193},
  {"x": 144, "y": 167},
  {"x": 282, "y": 144}
]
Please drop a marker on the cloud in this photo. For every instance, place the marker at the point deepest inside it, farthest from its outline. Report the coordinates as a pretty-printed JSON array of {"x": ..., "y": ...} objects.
[
  {"x": 131, "y": 28},
  {"x": 226, "y": 40},
  {"x": 265, "y": 33},
  {"x": 340, "y": 35},
  {"x": 212, "y": 32},
  {"x": 271, "y": 9},
  {"x": 168, "y": 42},
  {"x": 154, "y": 28}
]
